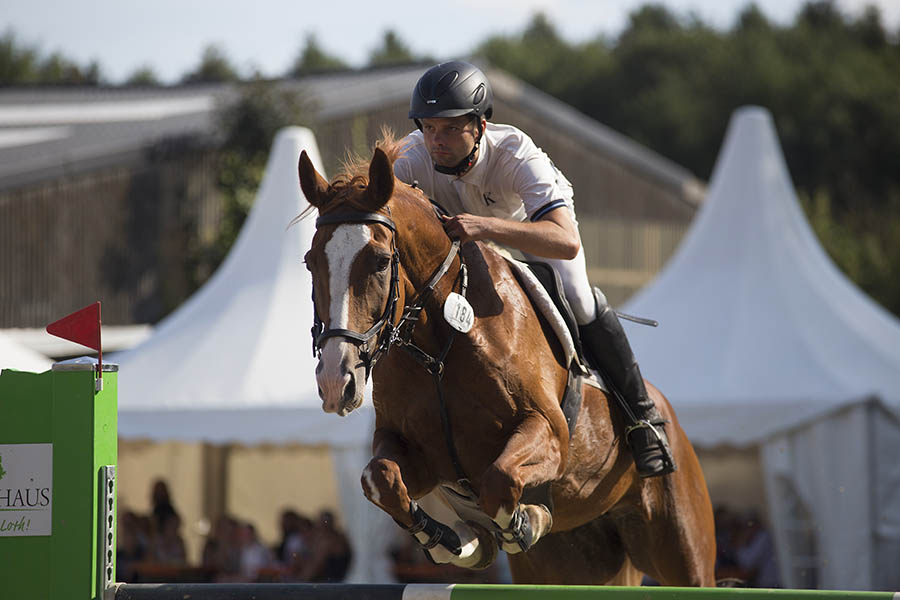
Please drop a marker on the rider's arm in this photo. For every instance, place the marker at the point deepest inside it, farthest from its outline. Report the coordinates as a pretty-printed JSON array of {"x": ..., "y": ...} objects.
[
  {"x": 550, "y": 231},
  {"x": 552, "y": 236}
]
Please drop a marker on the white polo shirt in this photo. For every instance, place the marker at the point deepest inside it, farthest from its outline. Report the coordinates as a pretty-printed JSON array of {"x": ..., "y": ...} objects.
[{"x": 512, "y": 178}]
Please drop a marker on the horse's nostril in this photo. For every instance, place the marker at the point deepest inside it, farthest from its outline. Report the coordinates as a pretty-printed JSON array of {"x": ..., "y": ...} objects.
[
  {"x": 319, "y": 368},
  {"x": 349, "y": 393},
  {"x": 321, "y": 395}
]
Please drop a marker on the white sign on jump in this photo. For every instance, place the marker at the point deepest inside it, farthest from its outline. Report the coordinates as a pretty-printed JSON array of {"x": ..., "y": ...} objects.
[{"x": 26, "y": 489}]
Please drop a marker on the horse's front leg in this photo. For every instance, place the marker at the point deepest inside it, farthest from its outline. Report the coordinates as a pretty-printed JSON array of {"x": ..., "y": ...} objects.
[
  {"x": 533, "y": 455},
  {"x": 394, "y": 477}
]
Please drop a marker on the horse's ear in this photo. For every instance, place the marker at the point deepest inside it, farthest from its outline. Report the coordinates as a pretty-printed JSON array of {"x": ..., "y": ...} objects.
[
  {"x": 313, "y": 185},
  {"x": 381, "y": 180}
]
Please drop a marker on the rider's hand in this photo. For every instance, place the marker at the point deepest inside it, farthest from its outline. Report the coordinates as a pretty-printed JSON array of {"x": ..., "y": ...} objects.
[{"x": 465, "y": 227}]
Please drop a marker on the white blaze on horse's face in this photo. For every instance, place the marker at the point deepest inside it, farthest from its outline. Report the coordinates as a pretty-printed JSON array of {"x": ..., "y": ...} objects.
[{"x": 340, "y": 384}]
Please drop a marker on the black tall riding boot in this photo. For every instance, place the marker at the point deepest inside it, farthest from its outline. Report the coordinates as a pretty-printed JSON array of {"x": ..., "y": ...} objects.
[{"x": 607, "y": 349}]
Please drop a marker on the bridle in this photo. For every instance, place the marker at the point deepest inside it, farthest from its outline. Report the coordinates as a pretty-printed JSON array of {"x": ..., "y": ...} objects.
[
  {"x": 384, "y": 330},
  {"x": 320, "y": 334}
]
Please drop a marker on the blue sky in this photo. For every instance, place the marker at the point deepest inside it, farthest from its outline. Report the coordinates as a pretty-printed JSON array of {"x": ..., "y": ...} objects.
[{"x": 170, "y": 35}]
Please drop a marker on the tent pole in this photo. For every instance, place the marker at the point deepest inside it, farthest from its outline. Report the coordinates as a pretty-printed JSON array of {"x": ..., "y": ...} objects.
[
  {"x": 872, "y": 454},
  {"x": 215, "y": 480}
]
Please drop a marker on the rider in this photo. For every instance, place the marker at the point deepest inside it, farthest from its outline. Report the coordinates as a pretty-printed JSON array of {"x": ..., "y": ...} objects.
[{"x": 500, "y": 186}]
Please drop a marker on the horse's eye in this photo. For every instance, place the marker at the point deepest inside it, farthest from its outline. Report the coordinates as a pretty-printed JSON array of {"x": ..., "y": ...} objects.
[{"x": 383, "y": 263}]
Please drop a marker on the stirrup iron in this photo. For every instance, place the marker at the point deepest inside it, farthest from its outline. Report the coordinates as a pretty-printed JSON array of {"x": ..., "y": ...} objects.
[
  {"x": 645, "y": 424},
  {"x": 657, "y": 443}
]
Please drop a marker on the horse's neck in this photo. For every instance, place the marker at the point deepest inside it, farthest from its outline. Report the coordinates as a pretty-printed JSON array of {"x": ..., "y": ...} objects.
[{"x": 423, "y": 247}]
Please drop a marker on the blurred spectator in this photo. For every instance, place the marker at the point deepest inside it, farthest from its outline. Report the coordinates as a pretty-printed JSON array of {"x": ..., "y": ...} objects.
[
  {"x": 222, "y": 551},
  {"x": 754, "y": 553},
  {"x": 745, "y": 553},
  {"x": 168, "y": 545},
  {"x": 162, "y": 503},
  {"x": 131, "y": 546},
  {"x": 289, "y": 523},
  {"x": 726, "y": 527},
  {"x": 255, "y": 556},
  {"x": 331, "y": 552},
  {"x": 294, "y": 550}
]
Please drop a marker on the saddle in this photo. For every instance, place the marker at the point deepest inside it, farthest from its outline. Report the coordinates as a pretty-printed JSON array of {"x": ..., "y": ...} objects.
[{"x": 543, "y": 286}]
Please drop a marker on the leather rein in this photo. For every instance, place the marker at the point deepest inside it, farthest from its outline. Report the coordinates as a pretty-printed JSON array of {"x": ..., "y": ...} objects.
[{"x": 386, "y": 332}]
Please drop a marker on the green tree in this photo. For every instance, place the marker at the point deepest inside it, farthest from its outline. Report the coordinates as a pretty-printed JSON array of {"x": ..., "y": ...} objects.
[
  {"x": 313, "y": 59},
  {"x": 18, "y": 63},
  {"x": 214, "y": 67},
  {"x": 249, "y": 125},
  {"x": 143, "y": 76},
  {"x": 542, "y": 58},
  {"x": 22, "y": 64},
  {"x": 393, "y": 51}
]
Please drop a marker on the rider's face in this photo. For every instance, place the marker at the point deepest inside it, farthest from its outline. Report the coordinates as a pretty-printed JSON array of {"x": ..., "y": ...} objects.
[{"x": 450, "y": 139}]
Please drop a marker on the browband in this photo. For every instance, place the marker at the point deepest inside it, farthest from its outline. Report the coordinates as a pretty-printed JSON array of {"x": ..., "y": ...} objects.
[{"x": 356, "y": 217}]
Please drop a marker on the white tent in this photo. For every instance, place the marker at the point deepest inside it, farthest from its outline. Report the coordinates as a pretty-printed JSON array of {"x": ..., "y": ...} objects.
[
  {"x": 763, "y": 341},
  {"x": 234, "y": 363},
  {"x": 16, "y": 356}
]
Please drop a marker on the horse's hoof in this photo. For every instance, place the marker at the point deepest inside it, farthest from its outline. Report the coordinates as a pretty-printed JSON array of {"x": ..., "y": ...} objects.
[
  {"x": 530, "y": 523},
  {"x": 487, "y": 546}
]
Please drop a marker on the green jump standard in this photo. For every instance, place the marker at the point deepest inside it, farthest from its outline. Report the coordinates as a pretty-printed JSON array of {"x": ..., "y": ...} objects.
[{"x": 57, "y": 432}]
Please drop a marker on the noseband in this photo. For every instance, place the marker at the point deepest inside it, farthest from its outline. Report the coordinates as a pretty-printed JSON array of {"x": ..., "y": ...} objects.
[{"x": 384, "y": 328}]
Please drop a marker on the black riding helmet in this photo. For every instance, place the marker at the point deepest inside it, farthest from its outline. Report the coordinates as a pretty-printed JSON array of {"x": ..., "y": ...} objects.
[{"x": 453, "y": 89}]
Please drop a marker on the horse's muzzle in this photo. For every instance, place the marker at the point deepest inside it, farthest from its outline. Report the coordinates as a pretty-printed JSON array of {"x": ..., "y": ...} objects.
[{"x": 340, "y": 378}]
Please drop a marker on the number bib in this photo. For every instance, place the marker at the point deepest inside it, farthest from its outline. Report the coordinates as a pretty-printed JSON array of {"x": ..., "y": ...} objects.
[{"x": 458, "y": 313}]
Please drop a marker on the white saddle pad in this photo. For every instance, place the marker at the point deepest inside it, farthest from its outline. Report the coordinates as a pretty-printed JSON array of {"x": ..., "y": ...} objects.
[{"x": 545, "y": 305}]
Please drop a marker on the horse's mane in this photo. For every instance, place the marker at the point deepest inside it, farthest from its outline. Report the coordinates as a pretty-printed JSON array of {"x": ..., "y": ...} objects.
[
  {"x": 355, "y": 167},
  {"x": 354, "y": 173}
]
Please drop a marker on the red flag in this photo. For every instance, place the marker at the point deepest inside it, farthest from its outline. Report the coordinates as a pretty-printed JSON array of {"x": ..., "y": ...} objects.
[{"x": 81, "y": 327}]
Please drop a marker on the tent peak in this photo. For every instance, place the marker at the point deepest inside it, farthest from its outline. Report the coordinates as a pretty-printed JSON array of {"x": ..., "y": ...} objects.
[{"x": 752, "y": 111}]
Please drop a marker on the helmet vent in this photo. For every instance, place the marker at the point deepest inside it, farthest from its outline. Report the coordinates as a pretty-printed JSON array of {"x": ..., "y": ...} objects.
[
  {"x": 444, "y": 83},
  {"x": 479, "y": 95}
]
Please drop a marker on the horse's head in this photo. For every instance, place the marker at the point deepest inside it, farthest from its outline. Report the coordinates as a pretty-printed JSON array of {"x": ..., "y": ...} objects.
[{"x": 354, "y": 265}]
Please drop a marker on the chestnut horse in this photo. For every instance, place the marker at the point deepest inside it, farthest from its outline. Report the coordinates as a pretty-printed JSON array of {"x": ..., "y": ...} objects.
[{"x": 471, "y": 450}]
